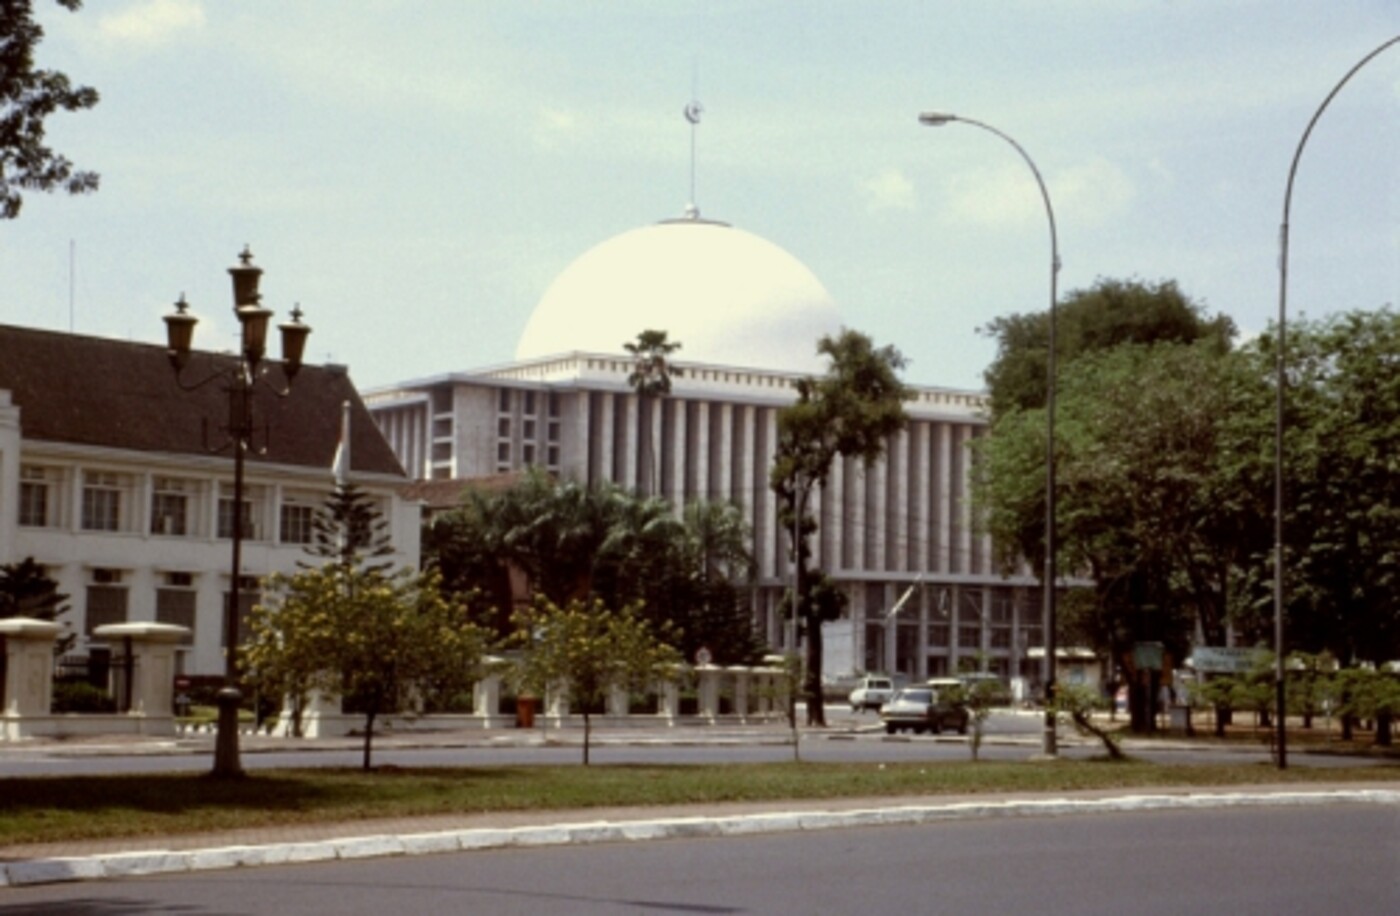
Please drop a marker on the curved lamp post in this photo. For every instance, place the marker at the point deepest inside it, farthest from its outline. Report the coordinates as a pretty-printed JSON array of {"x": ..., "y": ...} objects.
[
  {"x": 938, "y": 119},
  {"x": 1279, "y": 384},
  {"x": 240, "y": 379}
]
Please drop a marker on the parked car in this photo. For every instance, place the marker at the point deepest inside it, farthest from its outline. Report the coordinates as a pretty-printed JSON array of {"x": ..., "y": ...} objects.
[
  {"x": 928, "y": 707},
  {"x": 871, "y": 692}
]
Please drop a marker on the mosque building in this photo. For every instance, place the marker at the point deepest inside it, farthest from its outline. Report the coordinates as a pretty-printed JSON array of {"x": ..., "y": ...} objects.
[{"x": 926, "y": 596}]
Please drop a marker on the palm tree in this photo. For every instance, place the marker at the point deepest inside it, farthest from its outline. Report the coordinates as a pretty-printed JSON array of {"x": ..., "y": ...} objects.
[{"x": 650, "y": 378}]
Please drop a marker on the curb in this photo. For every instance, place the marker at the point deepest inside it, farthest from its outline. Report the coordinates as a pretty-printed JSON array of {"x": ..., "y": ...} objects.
[{"x": 159, "y": 862}]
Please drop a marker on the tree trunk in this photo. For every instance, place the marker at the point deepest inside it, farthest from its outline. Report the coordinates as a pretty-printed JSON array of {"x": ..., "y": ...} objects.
[
  {"x": 369, "y": 735},
  {"x": 587, "y": 733},
  {"x": 816, "y": 708},
  {"x": 1383, "y": 730}
]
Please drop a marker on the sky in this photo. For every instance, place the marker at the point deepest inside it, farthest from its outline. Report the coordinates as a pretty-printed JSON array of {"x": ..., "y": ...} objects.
[{"x": 415, "y": 174}]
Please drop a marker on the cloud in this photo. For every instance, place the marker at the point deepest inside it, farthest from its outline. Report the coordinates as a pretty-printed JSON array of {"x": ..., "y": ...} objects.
[
  {"x": 889, "y": 190},
  {"x": 1095, "y": 192},
  {"x": 1091, "y": 193},
  {"x": 153, "y": 22},
  {"x": 555, "y": 126}
]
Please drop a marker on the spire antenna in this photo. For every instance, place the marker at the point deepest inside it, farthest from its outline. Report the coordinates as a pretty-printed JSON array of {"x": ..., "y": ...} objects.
[{"x": 693, "y": 110}]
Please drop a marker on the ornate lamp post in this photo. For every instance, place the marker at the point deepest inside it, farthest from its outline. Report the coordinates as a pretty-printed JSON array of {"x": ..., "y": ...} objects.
[
  {"x": 938, "y": 119},
  {"x": 240, "y": 380},
  {"x": 1280, "y": 384}
]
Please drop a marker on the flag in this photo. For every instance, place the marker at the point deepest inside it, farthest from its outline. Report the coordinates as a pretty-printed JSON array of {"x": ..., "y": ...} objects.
[{"x": 340, "y": 465}]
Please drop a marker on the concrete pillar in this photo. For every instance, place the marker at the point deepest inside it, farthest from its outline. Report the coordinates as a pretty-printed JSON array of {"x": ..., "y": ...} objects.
[
  {"x": 709, "y": 691},
  {"x": 670, "y": 705},
  {"x": 486, "y": 696},
  {"x": 556, "y": 701},
  {"x": 740, "y": 674},
  {"x": 152, "y": 647},
  {"x": 618, "y": 700},
  {"x": 28, "y": 665}
]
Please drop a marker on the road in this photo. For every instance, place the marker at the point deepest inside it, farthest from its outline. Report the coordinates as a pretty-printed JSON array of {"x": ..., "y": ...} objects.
[
  {"x": 856, "y": 740},
  {"x": 1239, "y": 861}
]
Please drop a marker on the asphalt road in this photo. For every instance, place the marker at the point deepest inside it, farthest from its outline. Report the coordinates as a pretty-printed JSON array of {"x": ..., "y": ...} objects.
[{"x": 1331, "y": 859}]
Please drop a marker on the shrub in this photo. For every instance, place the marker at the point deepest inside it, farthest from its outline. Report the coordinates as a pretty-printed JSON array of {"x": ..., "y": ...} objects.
[{"x": 80, "y": 696}]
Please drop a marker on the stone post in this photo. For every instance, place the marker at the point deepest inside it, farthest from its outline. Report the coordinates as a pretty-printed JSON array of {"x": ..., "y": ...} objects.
[
  {"x": 741, "y": 691},
  {"x": 152, "y": 647},
  {"x": 28, "y": 688},
  {"x": 709, "y": 691}
]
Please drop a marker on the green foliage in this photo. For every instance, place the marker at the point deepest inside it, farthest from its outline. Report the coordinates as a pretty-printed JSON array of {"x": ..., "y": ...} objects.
[
  {"x": 80, "y": 696},
  {"x": 980, "y": 696},
  {"x": 651, "y": 367},
  {"x": 27, "y": 97},
  {"x": 851, "y": 411},
  {"x": 1079, "y": 702},
  {"x": 363, "y": 635},
  {"x": 26, "y": 590},
  {"x": 1342, "y": 485},
  {"x": 1105, "y": 316},
  {"x": 350, "y": 530},
  {"x": 587, "y": 650},
  {"x": 573, "y": 542},
  {"x": 1145, "y": 505}
]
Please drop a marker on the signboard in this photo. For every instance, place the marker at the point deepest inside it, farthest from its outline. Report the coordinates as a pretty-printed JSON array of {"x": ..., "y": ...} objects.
[
  {"x": 1147, "y": 656},
  {"x": 1225, "y": 660}
]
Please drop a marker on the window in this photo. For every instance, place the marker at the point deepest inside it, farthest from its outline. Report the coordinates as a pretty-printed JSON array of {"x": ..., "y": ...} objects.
[
  {"x": 503, "y": 453},
  {"x": 106, "y": 599},
  {"x": 529, "y": 403},
  {"x": 102, "y": 501},
  {"x": 527, "y": 454},
  {"x": 249, "y": 594},
  {"x": 529, "y": 429},
  {"x": 175, "y": 603},
  {"x": 503, "y": 403},
  {"x": 554, "y": 403},
  {"x": 33, "y": 497},
  {"x": 297, "y": 524},
  {"x": 226, "y": 518},
  {"x": 503, "y": 427},
  {"x": 552, "y": 458},
  {"x": 169, "y": 507}
]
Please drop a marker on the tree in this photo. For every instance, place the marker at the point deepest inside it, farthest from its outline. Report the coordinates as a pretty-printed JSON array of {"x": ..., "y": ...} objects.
[
  {"x": 27, "y": 97},
  {"x": 1110, "y": 313},
  {"x": 573, "y": 542},
  {"x": 26, "y": 590},
  {"x": 588, "y": 651},
  {"x": 650, "y": 378},
  {"x": 372, "y": 638},
  {"x": 350, "y": 530},
  {"x": 1342, "y": 485},
  {"x": 1145, "y": 508},
  {"x": 849, "y": 412}
]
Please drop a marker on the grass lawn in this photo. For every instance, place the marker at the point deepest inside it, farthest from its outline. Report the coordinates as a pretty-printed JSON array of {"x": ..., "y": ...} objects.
[{"x": 49, "y": 809}]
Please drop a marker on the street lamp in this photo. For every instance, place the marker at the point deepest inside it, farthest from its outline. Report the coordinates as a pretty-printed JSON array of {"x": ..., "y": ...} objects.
[
  {"x": 241, "y": 379},
  {"x": 938, "y": 119},
  {"x": 1279, "y": 383}
]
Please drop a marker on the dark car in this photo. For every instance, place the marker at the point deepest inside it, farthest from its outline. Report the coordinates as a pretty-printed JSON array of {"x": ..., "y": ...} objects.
[{"x": 924, "y": 708}]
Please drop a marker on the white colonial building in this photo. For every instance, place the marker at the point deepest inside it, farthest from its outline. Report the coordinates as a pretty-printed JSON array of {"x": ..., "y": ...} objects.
[
  {"x": 748, "y": 316},
  {"x": 107, "y": 480}
]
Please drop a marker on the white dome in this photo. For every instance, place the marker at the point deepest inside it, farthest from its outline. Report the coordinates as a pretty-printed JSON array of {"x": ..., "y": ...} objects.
[{"x": 728, "y": 296}]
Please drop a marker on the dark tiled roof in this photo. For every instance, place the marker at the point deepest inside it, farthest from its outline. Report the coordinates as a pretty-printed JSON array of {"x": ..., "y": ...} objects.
[
  {"x": 448, "y": 494},
  {"x": 116, "y": 394}
]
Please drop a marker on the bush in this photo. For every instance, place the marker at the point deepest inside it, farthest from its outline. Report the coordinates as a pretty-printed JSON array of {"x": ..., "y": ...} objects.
[{"x": 80, "y": 696}]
